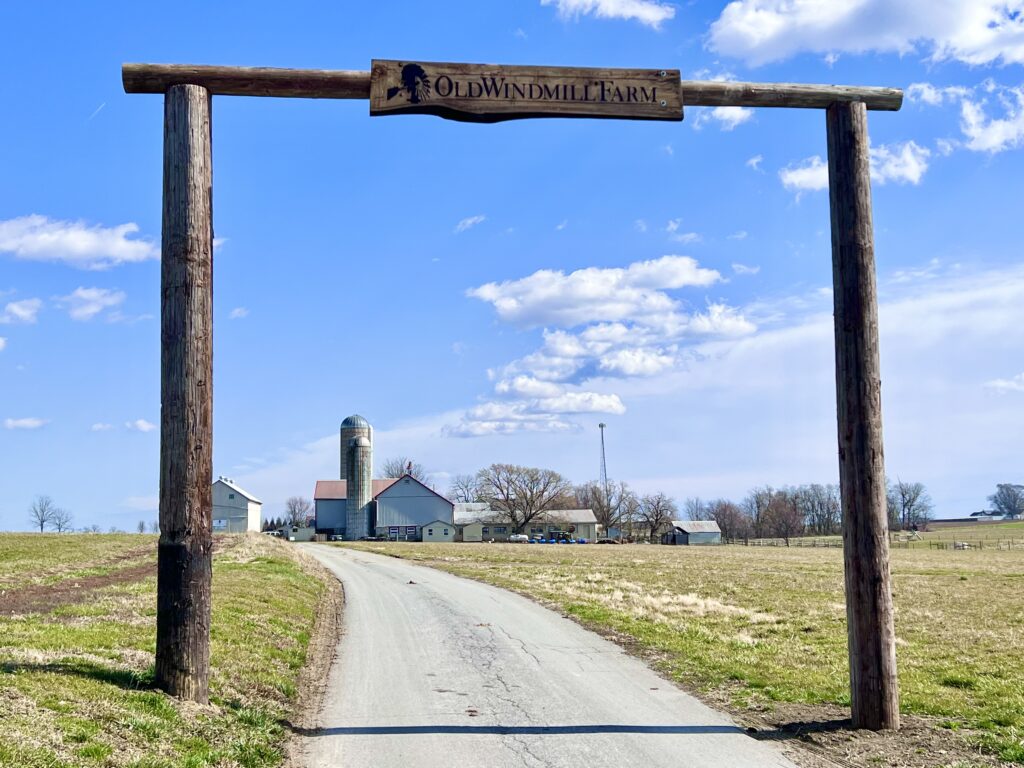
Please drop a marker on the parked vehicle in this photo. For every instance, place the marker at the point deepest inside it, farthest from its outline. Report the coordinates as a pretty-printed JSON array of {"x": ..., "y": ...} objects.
[{"x": 518, "y": 538}]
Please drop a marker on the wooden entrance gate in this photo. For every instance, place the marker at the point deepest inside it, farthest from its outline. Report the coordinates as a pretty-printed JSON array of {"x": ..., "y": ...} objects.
[{"x": 488, "y": 94}]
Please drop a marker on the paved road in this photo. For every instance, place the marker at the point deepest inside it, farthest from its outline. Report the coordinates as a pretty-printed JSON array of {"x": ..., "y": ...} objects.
[{"x": 434, "y": 670}]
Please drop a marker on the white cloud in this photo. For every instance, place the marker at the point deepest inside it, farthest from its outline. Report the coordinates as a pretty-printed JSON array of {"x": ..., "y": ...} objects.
[
  {"x": 38, "y": 238},
  {"x": 140, "y": 425},
  {"x": 754, "y": 163},
  {"x": 809, "y": 175},
  {"x": 721, "y": 320},
  {"x": 527, "y": 386},
  {"x": 101, "y": 427},
  {"x": 30, "y": 422},
  {"x": 562, "y": 225},
  {"x": 84, "y": 304},
  {"x": 739, "y": 235},
  {"x": 3, "y": 343},
  {"x": 743, "y": 269},
  {"x": 1002, "y": 386},
  {"x": 900, "y": 163},
  {"x": 469, "y": 222},
  {"x": 926, "y": 93},
  {"x": 637, "y": 361},
  {"x": 550, "y": 297},
  {"x": 580, "y": 402},
  {"x": 648, "y": 12},
  {"x": 986, "y": 133},
  {"x": 23, "y": 311},
  {"x": 238, "y": 313},
  {"x": 975, "y": 32},
  {"x": 672, "y": 228},
  {"x": 640, "y": 225},
  {"x": 726, "y": 117}
]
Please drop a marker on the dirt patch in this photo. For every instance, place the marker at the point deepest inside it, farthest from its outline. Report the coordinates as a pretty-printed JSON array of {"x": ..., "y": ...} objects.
[
  {"x": 314, "y": 677},
  {"x": 43, "y": 598}
]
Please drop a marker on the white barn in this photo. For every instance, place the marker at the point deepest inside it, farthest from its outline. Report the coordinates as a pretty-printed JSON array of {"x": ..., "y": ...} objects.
[{"x": 235, "y": 510}]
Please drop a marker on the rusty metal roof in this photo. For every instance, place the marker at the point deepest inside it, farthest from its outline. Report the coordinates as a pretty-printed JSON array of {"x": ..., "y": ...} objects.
[{"x": 338, "y": 489}]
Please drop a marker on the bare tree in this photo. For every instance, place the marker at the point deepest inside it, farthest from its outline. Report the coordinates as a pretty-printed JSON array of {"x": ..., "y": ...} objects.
[
  {"x": 521, "y": 494},
  {"x": 41, "y": 512},
  {"x": 655, "y": 511},
  {"x": 695, "y": 509},
  {"x": 92, "y": 529},
  {"x": 61, "y": 520},
  {"x": 403, "y": 465},
  {"x": 296, "y": 510},
  {"x": 141, "y": 527},
  {"x": 464, "y": 489},
  {"x": 821, "y": 507},
  {"x": 783, "y": 517},
  {"x": 1008, "y": 499},
  {"x": 755, "y": 505},
  {"x": 154, "y": 526},
  {"x": 731, "y": 519},
  {"x": 914, "y": 505},
  {"x": 609, "y": 504}
]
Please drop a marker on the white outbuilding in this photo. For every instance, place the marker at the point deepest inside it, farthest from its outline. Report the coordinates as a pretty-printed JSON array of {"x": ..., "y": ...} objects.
[{"x": 235, "y": 510}]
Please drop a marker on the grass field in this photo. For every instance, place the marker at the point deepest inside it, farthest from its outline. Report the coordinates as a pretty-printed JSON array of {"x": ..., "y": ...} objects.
[
  {"x": 762, "y": 626},
  {"x": 77, "y": 637},
  {"x": 940, "y": 536}
]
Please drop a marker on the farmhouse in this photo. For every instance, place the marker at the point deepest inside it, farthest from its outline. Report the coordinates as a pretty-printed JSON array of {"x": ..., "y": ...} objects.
[
  {"x": 235, "y": 510},
  {"x": 357, "y": 506},
  {"x": 476, "y": 522},
  {"x": 693, "y": 532}
]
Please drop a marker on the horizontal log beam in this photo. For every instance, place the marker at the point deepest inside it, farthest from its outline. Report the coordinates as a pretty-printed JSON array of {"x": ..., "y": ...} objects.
[
  {"x": 355, "y": 84},
  {"x": 700, "y": 93},
  {"x": 248, "y": 81}
]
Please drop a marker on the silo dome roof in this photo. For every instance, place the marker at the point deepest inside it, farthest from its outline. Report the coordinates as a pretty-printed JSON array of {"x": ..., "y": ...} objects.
[{"x": 355, "y": 421}]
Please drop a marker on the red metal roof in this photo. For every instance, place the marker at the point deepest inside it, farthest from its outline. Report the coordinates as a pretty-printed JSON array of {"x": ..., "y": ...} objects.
[{"x": 338, "y": 489}]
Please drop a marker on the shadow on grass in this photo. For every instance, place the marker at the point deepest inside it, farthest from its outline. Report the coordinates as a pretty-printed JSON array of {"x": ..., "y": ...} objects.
[
  {"x": 123, "y": 678},
  {"x": 799, "y": 729}
]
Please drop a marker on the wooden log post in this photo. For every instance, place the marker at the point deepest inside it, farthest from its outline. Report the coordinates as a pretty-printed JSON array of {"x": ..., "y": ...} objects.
[
  {"x": 869, "y": 607},
  {"x": 184, "y": 570}
]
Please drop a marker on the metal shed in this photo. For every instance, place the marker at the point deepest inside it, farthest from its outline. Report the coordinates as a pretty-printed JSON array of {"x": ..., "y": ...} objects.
[{"x": 693, "y": 532}]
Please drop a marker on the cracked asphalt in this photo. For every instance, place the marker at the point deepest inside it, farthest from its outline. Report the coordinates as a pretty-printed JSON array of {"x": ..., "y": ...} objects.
[{"x": 435, "y": 670}]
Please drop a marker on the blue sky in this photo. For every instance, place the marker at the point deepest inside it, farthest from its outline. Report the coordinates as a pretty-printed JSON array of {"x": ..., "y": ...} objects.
[{"x": 491, "y": 293}]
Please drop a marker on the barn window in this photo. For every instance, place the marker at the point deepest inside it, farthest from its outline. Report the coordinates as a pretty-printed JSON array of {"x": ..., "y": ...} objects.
[
  {"x": 500, "y": 529},
  {"x": 231, "y": 495},
  {"x": 485, "y": 530},
  {"x": 430, "y": 531},
  {"x": 445, "y": 531}
]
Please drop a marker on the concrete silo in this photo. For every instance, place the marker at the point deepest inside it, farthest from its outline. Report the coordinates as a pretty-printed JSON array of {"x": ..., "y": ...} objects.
[
  {"x": 359, "y": 465},
  {"x": 351, "y": 428}
]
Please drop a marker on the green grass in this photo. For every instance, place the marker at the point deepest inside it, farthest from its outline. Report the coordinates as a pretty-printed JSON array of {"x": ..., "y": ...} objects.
[
  {"x": 76, "y": 682},
  {"x": 764, "y": 625}
]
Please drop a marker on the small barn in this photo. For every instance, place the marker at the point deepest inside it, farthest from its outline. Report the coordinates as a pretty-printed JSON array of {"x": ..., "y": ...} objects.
[
  {"x": 693, "y": 532},
  {"x": 234, "y": 509},
  {"x": 439, "y": 530}
]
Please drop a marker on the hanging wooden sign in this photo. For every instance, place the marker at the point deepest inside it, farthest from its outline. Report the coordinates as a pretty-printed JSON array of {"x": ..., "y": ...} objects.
[{"x": 489, "y": 93}]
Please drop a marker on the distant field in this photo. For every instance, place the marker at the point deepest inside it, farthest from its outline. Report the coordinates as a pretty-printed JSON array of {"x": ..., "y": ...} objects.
[
  {"x": 941, "y": 536},
  {"x": 768, "y": 625},
  {"x": 77, "y": 637}
]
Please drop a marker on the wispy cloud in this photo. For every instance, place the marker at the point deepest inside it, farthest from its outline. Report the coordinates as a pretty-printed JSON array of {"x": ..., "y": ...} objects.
[
  {"x": 100, "y": 426},
  {"x": 1002, "y": 386},
  {"x": 29, "y": 422},
  {"x": 97, "y": 111},
  {"x": 727, "y": 118},
  {"x": 140, "y": 425},
  {"x": 38, "y": 238},
  {"x": 648, "y": 12},
  {"x": 84, "y": 304},
  {"x": 562, "y": 225},
  {"x": 469, "y": 222},
  {"x": 23, "y": 311},
  {"x": 754, "y": 163},
  {"x": 238, "y": 313},
  {"x": 904, "y": 163},
  {"x": 739, "y": 235},
  {"x": 672, "y": 228},
  {"x": 743, "y": 269}
]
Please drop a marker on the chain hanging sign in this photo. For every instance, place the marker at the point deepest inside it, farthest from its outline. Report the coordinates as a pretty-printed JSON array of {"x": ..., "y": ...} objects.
[{"x": 489, "y": 93}]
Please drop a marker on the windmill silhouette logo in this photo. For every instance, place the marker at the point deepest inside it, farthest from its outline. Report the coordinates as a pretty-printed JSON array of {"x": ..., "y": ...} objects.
[{"x": 415, "y": 83}]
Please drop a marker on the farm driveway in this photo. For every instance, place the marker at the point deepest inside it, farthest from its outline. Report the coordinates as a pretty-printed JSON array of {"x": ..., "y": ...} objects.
[{"x": 434, "y": 670}]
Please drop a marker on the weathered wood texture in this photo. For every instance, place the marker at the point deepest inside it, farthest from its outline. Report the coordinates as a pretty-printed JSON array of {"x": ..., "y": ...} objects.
[
  {"x": 355, "y": 84},
  {"x": 869, "y": 606},
  {"x": 248, "y": 81},
  {"x": 186, "y": 398},
  {"x": 490, "y": 93},
  {"x": 798, "y": 95}
]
